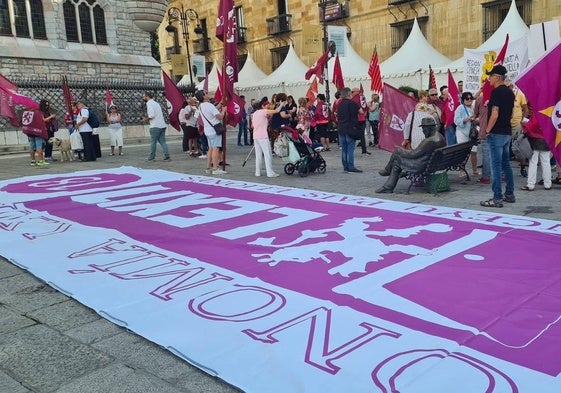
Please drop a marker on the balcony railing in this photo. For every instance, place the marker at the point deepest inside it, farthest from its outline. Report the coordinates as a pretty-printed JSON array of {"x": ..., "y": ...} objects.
[
  {"x": 279, "y": 24},
  {"x": 201, "y": 45}
]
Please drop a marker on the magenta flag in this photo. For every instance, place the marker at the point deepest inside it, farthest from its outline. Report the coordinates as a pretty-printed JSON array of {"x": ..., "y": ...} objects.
[
  {"x": 453, "y": 100},
  {"x": 175, "y": 100},
  {"x": 33, "y": 124},
  {"x": 235, "y": 109},
  {"x": 393, "y": 113},
  {"x": 541, "y": 83},
  {"x": 9, "y": 98},
  {"x": 7, "y": 108},
  {"x": 226, "y": 31}
]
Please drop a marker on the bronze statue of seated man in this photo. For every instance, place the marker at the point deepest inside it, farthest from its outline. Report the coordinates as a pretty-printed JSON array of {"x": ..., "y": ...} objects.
[{"x": 412, "y": 160}]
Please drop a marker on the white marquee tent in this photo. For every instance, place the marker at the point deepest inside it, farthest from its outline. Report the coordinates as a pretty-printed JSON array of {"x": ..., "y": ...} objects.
[{"x": 250, "y": 74}]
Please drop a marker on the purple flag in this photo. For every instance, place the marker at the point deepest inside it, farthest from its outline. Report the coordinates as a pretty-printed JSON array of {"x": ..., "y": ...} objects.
[
  {"x": 175, "y": 100},
  {"x": 541, "y": 83}
]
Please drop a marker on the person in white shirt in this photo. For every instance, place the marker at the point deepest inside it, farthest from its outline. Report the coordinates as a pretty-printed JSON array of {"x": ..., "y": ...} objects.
[
  {"x": 188, "y": 118},
  {"x": 210, "y": 115},
  {"x": 86, "y": 131},
  {"x": 158, "y": 126}
]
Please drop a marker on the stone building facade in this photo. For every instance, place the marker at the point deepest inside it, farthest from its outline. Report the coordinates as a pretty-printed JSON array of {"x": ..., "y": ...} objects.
[
  {"x": 122, "y": 52},
  {"x": 269, "y": 27},
  {"x": 92, "y": 41}
]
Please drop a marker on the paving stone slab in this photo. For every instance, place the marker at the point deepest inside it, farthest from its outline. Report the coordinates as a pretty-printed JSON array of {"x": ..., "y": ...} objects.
[{"x": 43, "y": 359}]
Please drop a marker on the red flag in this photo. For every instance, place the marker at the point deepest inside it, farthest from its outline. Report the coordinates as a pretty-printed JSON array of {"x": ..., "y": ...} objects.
[
  {"x": 318, "y": 67},
  {"x": 542, "y": 87},
  {"x": 393, "y": 113},
  {"x": 175, "y": 101},
  {"x": 432, "y": 79},
  {"x": 312, "y": 92},
  {"x": 67, "y": 95},
  {"x": 375, "y": 73},
  {"x": 9, "y": 98},
  {"x": 108, "y": 100},
  {"x": 226, "y": 31},
  {"x": 33, "y": 124},
  {"x": 218, "y": 92},
  {"x": 338, "y": 74},
  {"x": 453, "y": 100},
  {"x": 487, "y": 88}
]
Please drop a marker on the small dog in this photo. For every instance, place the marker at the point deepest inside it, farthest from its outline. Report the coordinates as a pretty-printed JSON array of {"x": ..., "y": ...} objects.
[{"x": 64, "y": 148}]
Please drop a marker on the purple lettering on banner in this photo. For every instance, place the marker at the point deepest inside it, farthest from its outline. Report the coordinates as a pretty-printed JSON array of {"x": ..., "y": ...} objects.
[
  {"x": 65, "y": 183},
  {"x": 473, "y": 282}
]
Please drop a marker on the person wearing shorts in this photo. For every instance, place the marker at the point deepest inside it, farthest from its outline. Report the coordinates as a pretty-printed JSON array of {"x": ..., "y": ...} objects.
[{"x": 36, "y": 145}]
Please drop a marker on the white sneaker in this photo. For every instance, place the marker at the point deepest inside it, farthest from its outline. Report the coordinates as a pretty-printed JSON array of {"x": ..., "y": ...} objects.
[
  {"x": 219, "y": 172},
  {"x": 273, "y": 175},
  {"x": 208, "y": 170},
  {"x": 256, "y": 175},
  {"x": 202, "y": 156}
]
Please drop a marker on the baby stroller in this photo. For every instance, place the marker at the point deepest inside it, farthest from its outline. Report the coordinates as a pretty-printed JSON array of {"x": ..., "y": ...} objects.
[{"x": 305, "y": 159}]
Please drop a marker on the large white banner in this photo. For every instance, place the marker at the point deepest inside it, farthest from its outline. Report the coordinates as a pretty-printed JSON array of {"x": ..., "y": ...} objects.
[
  {"x": 279, "y": 290},
  {"x": 478, "y": 62}
]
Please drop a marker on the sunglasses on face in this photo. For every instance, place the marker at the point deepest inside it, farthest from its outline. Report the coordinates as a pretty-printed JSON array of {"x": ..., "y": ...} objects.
[
  {"x": 469, "y": 98},
  {"x": 434, "y": 95}
]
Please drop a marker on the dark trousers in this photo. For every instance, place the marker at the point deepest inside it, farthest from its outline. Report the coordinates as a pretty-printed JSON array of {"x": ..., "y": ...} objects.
[
  {"x": 89, "y": 147},
  {"x": 96, "y": 145},
  {"x": 48, "y": 146}
]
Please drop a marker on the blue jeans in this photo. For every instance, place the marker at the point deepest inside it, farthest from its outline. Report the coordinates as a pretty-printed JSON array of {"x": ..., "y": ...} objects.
[
  {"x": 242, "y": 131},
  {"x": 499, "y": 146},
  {"x": 485, "y": 159},
  {"x": 347, "y": 151},
  {"x": 450, "y": 133},
  {"x": 158, "y": 135}
]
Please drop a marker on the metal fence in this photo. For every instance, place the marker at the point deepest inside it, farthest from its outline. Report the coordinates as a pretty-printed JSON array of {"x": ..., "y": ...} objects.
[{"x": 126, "y": 96}]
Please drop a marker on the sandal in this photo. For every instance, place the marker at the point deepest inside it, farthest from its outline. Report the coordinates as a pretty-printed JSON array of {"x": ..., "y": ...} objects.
[
  {"x": 557, "y": 180},
  {"x": 491, "y": 203},
  {"x": 509, "y": 198},
  {"x": 526, "y": 188}
]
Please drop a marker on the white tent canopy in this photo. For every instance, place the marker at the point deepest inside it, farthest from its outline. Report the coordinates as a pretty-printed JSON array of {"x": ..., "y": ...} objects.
[
  {"x": 250, "y": 74},
  {"x": 513, "y": 25},
  {"x": 287, "y": 78},
  {"x": 292, "y": 69},
  {"x": 212, "y": 77},
  {"x": 415, "y": 54}
]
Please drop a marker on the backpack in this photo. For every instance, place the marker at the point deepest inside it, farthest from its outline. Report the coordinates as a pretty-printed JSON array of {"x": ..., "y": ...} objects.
[{"x": 93, "y": 120}]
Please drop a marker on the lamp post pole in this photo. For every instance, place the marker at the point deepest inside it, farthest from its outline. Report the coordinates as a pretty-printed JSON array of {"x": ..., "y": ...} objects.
[
  {"x": 323, "y": 4},
  {"x": 184, "y": 16}
]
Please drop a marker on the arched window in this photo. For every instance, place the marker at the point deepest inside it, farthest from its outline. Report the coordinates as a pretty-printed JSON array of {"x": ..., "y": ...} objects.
[
  {"x": 22, "y": 18},
  {"x": 84, "y": 21}
]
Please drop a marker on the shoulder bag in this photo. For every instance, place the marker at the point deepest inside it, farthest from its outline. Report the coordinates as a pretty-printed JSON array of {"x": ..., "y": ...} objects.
[
  {"x": 473, "y": 131},
  {"x": 218, "y": 127}
]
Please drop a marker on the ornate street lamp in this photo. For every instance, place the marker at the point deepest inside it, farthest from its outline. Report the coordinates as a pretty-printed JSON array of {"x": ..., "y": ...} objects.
[{"x": 184, "y": 16}]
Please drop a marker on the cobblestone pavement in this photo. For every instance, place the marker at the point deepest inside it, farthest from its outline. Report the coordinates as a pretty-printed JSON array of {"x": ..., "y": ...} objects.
[{"x": 51, "y": 343}]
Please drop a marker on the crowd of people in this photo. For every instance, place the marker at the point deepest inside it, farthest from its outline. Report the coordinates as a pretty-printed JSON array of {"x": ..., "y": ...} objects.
[{"x": 352, "y": 121}]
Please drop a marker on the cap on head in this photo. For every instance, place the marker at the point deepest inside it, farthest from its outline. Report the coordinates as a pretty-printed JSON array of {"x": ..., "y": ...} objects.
[
  {"x": 498, "y": 70},
  {"x": 428, "y": 122}
]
